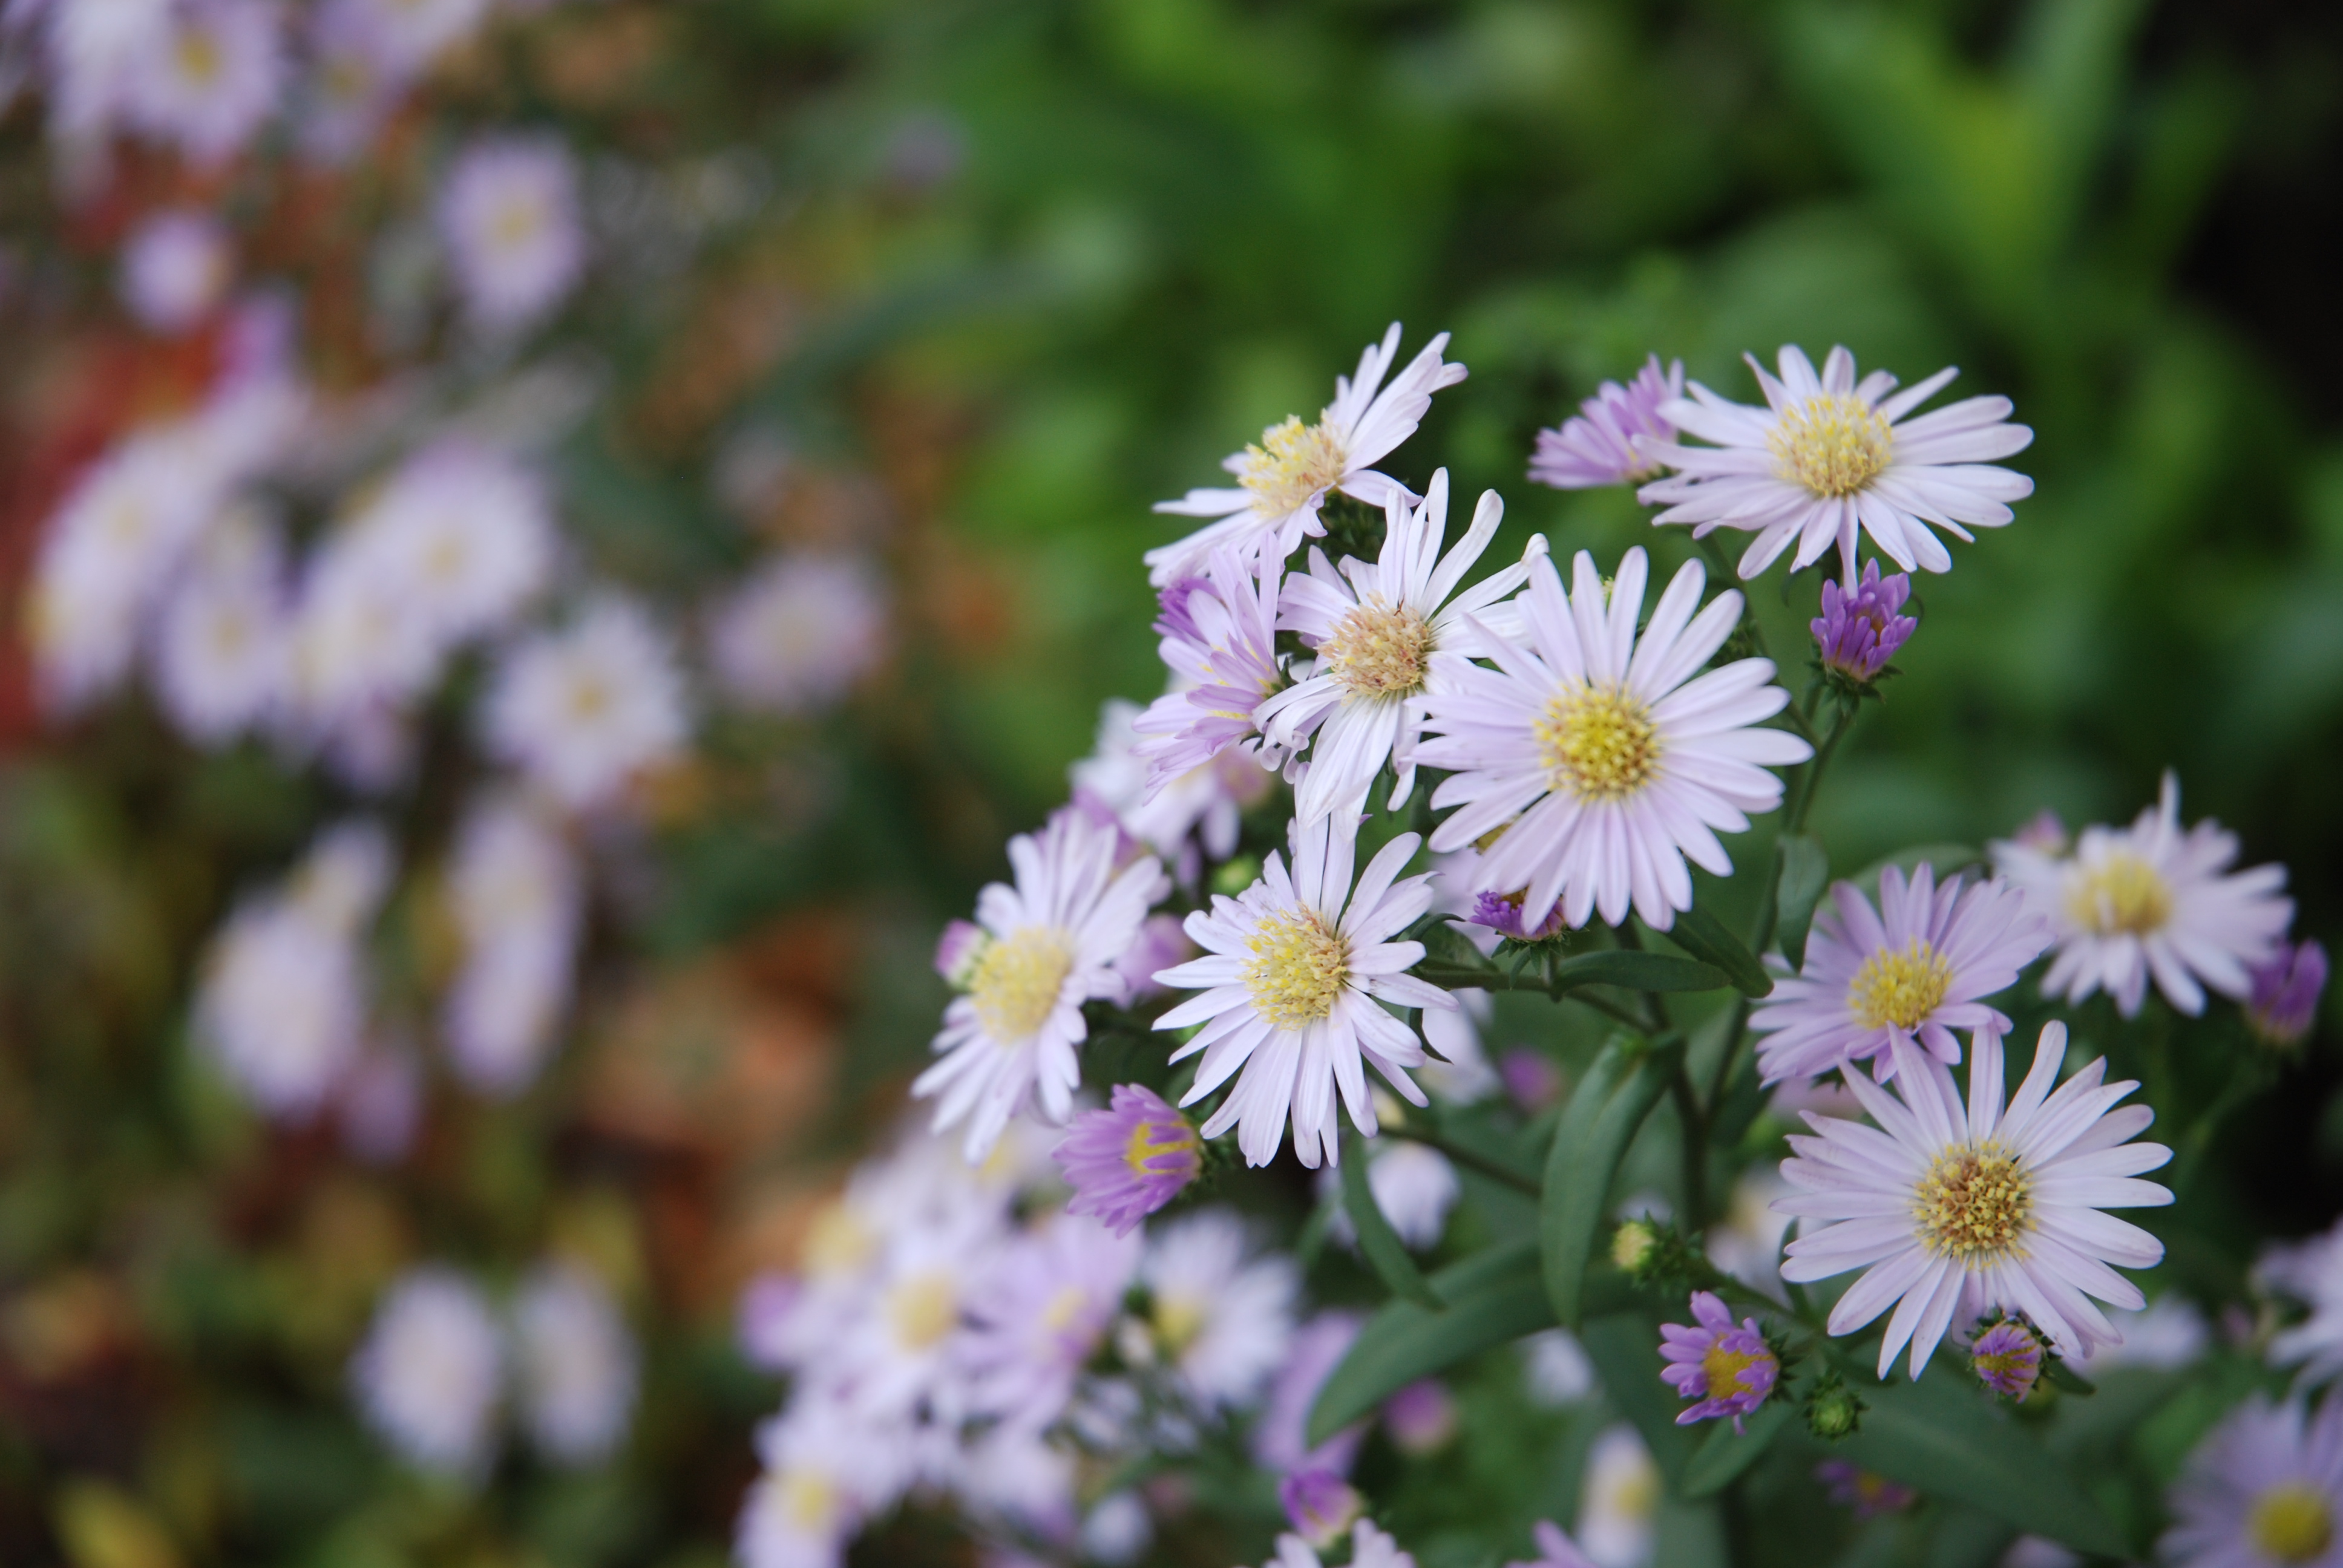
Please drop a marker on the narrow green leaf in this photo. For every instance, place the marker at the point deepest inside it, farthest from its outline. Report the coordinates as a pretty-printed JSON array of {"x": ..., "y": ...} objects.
[
  {"x": 1381, "y": 1245},
  {"x": 1632, "y": 970},
  {"x": 1625, "y": 1351},
  {"x": 1805, "y": 873},
  {"x": 1724, "y": 1453},
  {"x": 1494, "y": 1297},
  {"x": 1618, "y": 1091},
  {"x": 1945, "y": 1440},
  {"x": 1705, "y": 937}
]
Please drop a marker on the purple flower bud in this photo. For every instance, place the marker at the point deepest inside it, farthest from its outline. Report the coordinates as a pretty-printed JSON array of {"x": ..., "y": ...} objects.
[
  {"x": 1321, "y": 1504},
  {"x": 1130, "y": 1160},
  {"x": 1502, "y": 913},
  {"x": 1422, "y": 1417},
  {"x": 1602, "y": 446},
  {"x": 2007, "y": 1359},
  {"x": 1730, "y": 1371},
  {"x": 1869, "y": 1495},
  {"x": 1530, "y": 1077},
  {"x": 1858, "y": 633},
  {"x": 2286, "y": 989},
  {"x": 958, "y": 951}
]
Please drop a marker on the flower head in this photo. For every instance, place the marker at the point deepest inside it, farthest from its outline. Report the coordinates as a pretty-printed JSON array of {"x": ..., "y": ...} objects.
[
  {"x": 1218, "y": 637},
  {"x": 1390, "y": 639},
  {"x": 800, "y": 633},
  {"x": 2153, "y": 900},
  {"x": 1054, "y": 936},
  {"x": 210, "y": 76},
  {"x": 517, "y": 897},
  {"x": 2263, "y": 1490},
  {"x": 1951, "y": 1206},
  {"x": 1369, "y": 1548},
  {"x": 1130, "y": 1160},
  {"x": 1320, "y": 1504},
  {"x": 2284, "y": 1000},
  {"x": 1832, "y": 458},
  {"x": 1917, "y": 968},
  {"x": 2007, "y": 1359},
  {"x": 509, "y": 216},
  {"x": 1607, "y": 759},
  {"x": 1502, "y": 913},
  {"x": 175, "y": 267},
  {"x": 1281, "y": 1434},
  {"x": 1730, "y": 1371},
  {"x": 1863, "y": 1492},
  {"x": 1421, "y": 1418},
  {"x": 1293, "y": 976},
  {"x": 2311, "y": 1273},
  {"x": 1602, "y": 445},
  {"x": 1618, "y": 1501},
  {"x": 577, "y": 1364},
  {"x": 223, "y": 643},
  {"x": 1220, "y": 1315},
  {"x": 1284, "y": 480},
  {"x": 1040, "y": 1313},
  {"x": 1857, "y": 633},
  {"x": 1200, "y": 808},
  {"x": 431, "y": 1370},
  {"x": 581, "y": 711}
]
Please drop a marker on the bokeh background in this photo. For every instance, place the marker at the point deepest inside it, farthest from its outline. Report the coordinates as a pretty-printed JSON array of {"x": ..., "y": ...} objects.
[{"x": 961, "y": 286}]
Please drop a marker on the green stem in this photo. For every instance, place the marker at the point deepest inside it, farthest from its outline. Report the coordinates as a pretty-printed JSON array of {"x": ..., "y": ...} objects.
[{"x": 1469, "y": 1159}]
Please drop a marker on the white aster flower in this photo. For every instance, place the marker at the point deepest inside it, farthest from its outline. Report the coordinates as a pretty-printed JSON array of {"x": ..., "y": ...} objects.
[
  {"x": 1011, "y": 1042},
  {"x": 225, "y": 639},
  {"x": 1390, "y": 639},
  {"x": 824, "y": 1473},
  {"x": 1619, "y": 1500},
  {"x": 1828, "y": 461},
  {"x": 1607, "y": 759},
  {"x": 2310, "y": 1272},
  {"x": 1222, "y": 1317},
  {"x": 1219, "y": 636},
  {"x": 799, "y": 633},
  {"x": 465, "y": 531},
  {"x": 1292, "y": 979},
  {"x": 210, "y": 76},
  {"x": 1201, "y": 809},
  {"x": 1285, "y": 478},
  {"x": 581, "y": 711},
  {"x": 575, "y": 1364},
  {"x": 509, "y": 216},
  {"x": 1555, "y": 1368},
  {"x": 1370, "y": 1547},
  {"x": 899, "y": 1357},
  {"x": 1041, "y": 1312},
  {"x": 2263, "y": 1490},
  {"x": 175, "y": 267},
  {"x": 431, "y": 1370},
  {"x": 93, "y": 54},
  {"x": 1917, "y": 968},
  {"x": 352, "y": 84},
  {"x": 2152, "y": 901},
  {"x": 1951, "y": 1208},
  {"x": 516, "y": 895}
]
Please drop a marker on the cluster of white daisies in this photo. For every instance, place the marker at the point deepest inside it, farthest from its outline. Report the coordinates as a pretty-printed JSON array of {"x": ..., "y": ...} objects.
[{"x": 1592, "y": 752}]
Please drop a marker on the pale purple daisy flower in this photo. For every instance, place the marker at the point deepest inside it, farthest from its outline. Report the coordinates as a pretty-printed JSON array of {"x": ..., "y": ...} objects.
[
  {"x": 431, "y": 1371},
  {"x": 210, "y": 76},
  {"x": 516, "y": 894},
  {"x": 2311, "y": 1273},
  {"x": 2263, "y": 1490},
  {"x": 1421, "y": 1418},
  {"x": 1857, "y": 633},
  {"x": 1952, "y": 1206},
  {"x": 1011, "y": 1041},
  {"x": 1219, "y": 1312},
  {"x": 1390, "y": 639},
  {"x": 1130, "y": 1160},
  {"x": 1201, "y": 810},
  {"x": 407, "y": 36},
  {"x": 1917, "y": 968},
  {"x": 1284, "y": 480},
  {"x": 353, "y": 83},
  {"x": 1220, "y": 639},
  {"x": 1320, "y": 1505},
  {"x": 1866, "y": 1494},
  {"x": 509, "y": 216},
  {"x": 2153, "y": 900},
  {"x": 2007, "y": 1359},
  {"x": 1162, "y": 942},
  {"x": 1730, "y": 1370},
  {"x": 576, "y": 1364},
  {"x": 1502, "y": 913},
  {"x": 583, "y": 710},
  {"x": 1554, "y": 1548},
  {"x": 800, "y": 633},
  {"x": 175, "y": 267},
  {"x": 1293, "y": 977},
  {"x": 1828, "y": 461},
  {"x": 2284, "y": 1001},
  {"x": 1601, "y": 446},
  {"x": 1369, "y": 1548},
  {"x": 1607, "y": 759},
  {"x": 1039, "y": 1313}
]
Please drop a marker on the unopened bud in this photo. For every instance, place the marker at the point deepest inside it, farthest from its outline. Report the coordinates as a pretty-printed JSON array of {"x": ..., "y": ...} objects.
[
  {"x": 1833, "y": 1410},
  {"x": 1320, "y": 1505},
  {"x": 1632, "y": 1245}
]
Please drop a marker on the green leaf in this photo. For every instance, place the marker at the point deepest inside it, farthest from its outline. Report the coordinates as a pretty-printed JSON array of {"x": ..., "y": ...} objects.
[
  {"x": 1724, "y": 1453},
  {"x": 1625, "y": 1080},
  {"x": 1494, "y": 1297},
  {"x": 1805, "y": 873},
  {"x": 1625, "y": 1349},
  {"x": 1632, "y": 970},
  {"x": 1384, "y": 1252},
  {"x": 1945, "y": 1440},
  {"x": 1703, "y": 936}
]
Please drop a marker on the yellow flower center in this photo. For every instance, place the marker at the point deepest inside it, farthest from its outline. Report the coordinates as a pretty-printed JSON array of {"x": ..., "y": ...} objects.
[
  {"x": 199, "y": 56},
  {"x": 1152, "y": 1140},
  {"x": 1294, "y": 463},
  {"x": 1900, "y": 988},
  {"x": 2292, "y": 1523},
  {"x": 1063, "y": 1309},
  {"x": 2122, "y": 893},
  {"x": 1975, "y": 1203},
  {"x": 1599, "y": 742},
  {"x": 836, "y": 1242},
  {"x": 1178, "y": 1321},
  {"x": 923, "y": 1310},
  {"x": 1379, "y": 650},
  {"x": 1833, "y": 445},
  {"x": 1299, "y": 968},
  {"x": 808, "y": 1500},
  {"x": 1723, "y": 1369},
  {"x": 1016, "y": 984},
  {"x": 517, "y": 223}
]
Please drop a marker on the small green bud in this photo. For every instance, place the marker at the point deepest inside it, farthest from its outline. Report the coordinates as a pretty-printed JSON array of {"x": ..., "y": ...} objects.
[
  {"x": 1234, "y": 876},
  {"x": 1632, "y": 1246},
  {"x": 1833, "y": 1410}
]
